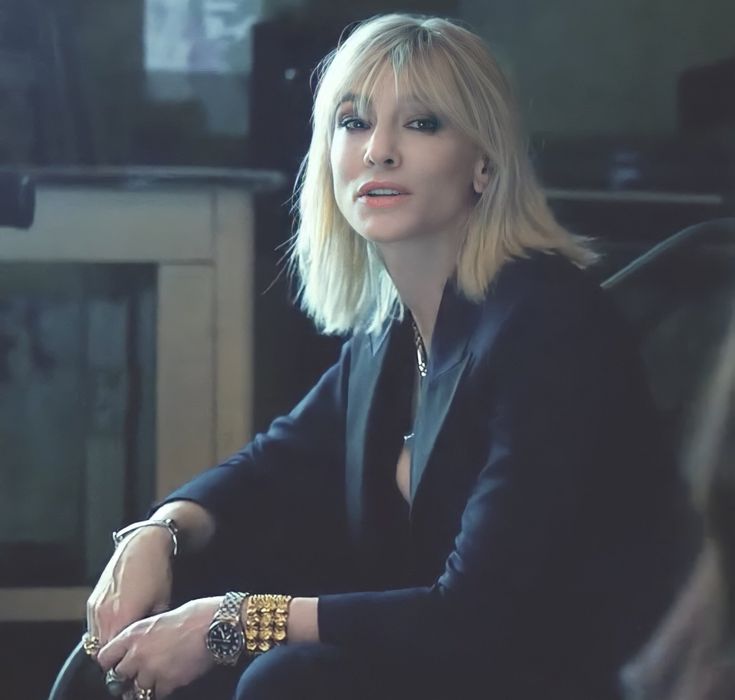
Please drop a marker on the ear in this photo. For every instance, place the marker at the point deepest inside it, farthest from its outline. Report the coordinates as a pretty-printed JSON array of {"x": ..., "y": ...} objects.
[{"x": 481, "y": 176}]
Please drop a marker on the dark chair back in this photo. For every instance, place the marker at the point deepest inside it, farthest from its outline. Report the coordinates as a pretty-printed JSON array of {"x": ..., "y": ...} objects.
[{"x": 679, "y": 298}]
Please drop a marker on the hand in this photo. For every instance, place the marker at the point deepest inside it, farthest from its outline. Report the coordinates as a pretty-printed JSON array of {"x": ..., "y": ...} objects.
[
  {"x": 166, "y": 651},
  {"x": 135, "y": 583}
]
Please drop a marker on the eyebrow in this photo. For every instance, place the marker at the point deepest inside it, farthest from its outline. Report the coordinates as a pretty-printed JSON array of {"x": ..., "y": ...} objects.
[
  {"x": 347, "y": 97},
  {"x": 403, "y": 99}
]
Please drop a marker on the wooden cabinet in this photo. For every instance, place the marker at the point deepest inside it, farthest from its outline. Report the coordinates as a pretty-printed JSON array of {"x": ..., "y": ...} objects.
[{"x": 193, "y": 231}]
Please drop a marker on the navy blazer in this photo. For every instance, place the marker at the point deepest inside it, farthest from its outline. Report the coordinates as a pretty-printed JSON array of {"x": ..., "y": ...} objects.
[{"x": 540, "y": 546}]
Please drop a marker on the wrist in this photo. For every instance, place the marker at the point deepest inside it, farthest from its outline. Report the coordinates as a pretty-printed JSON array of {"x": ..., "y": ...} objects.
[
  {"x": 303, "y": 622},
  {"x": 150, "y": 538},
  {"x": 196, "y": 525},
  {"x": 225, "y": 637},
  {"x": 165, "y": 524}
]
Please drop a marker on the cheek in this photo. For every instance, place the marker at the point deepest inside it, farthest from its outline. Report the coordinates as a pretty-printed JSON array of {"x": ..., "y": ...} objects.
[
  {"x": 449, "y": 189},
  {"x": 462, "y": 174},
  {"x": 450, "y": 162},
  {"x": 341, "y": 156},
  {"x": 448, "y": 179}
]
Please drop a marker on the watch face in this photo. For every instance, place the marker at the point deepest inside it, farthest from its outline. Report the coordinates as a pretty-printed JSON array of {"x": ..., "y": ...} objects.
[{"x": 225, "y": 639}]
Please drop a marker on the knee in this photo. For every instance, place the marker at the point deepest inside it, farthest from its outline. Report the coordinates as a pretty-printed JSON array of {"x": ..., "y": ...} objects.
[{"x": 292, "y": 672}]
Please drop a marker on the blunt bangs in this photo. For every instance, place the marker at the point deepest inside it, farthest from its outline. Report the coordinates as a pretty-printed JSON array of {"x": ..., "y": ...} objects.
[{"x": 425, "y": 62}]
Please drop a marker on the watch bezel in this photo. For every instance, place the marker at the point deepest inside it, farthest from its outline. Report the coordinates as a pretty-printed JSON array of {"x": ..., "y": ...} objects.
[{"x": 236, "y": 639}]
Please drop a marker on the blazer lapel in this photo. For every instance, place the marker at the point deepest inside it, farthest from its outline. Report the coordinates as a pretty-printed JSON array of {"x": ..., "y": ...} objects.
[
  {"x": 375, "y": 416},
  {"x": 367, "y": 368},
  {"x": 456, "y": 321}
]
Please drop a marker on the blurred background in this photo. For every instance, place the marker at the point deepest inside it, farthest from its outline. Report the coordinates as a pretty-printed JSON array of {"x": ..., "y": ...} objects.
[{"x": 146, "y": 326}]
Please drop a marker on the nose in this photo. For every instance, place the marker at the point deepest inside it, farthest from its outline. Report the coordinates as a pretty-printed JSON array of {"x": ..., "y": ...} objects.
[{"x": 381, "y": 149}]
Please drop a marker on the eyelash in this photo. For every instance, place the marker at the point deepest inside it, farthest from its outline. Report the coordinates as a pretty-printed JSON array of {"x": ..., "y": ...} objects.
[
  {"x": 431, "y": 124},
  {"x": 352, "y": 123}
]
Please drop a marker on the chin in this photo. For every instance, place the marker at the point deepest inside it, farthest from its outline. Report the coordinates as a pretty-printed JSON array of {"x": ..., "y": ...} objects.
[
  {"x": 386, "y": 236},
  {"x": 385, "y": 231}
]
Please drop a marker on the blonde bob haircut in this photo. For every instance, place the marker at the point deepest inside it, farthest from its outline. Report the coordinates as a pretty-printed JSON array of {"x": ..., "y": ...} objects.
[{"x": 342, "y": 282}]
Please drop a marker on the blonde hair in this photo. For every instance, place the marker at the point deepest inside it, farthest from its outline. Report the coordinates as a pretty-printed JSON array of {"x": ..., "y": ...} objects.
[{"x": 343, "y": 284}]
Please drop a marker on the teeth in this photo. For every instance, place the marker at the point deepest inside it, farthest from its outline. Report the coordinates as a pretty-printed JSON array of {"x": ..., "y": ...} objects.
[{"x": 382, "y": 192}]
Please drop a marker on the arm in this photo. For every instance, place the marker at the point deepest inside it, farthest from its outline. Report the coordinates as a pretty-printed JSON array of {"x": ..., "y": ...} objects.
[
  {"x": 195, "y": 524},
  {"x": 267, "y": 501},
  {"x": 279, "y": 501}
]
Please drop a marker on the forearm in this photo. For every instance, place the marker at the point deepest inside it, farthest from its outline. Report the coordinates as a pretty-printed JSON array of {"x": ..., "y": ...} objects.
[
  {"x": 196, "y": 525},
  {"x": 303, "y": 622}
]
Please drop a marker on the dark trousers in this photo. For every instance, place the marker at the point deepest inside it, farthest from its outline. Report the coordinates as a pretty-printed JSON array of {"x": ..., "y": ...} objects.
[{"x": 303, "y": 671}]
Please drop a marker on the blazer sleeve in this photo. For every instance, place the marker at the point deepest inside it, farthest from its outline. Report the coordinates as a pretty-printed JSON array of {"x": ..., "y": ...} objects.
[
  {"x": 557, "y": 392},
  {"x": 281, "y": 498}
]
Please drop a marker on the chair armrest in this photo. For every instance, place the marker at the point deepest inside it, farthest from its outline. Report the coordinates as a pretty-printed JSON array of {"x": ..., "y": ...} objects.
[{"x": 80, "y": 678}]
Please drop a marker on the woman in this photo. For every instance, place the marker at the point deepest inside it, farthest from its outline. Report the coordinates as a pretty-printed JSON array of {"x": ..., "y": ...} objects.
[
  {"x": 462, "y": 503},
  {"x": 692, "y": 654}
]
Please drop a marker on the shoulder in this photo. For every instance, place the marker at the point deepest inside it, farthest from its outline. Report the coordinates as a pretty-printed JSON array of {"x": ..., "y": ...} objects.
[
  {"x": 545, "y": 299},
  {"x": 551, "y": 290},
  {"x": 545, "y": 279}
]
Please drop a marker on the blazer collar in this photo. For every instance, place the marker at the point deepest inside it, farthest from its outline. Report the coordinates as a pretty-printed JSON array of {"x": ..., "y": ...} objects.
[
  {"x": 455, "y": 321},
  {"x": 375, "y": 421}
]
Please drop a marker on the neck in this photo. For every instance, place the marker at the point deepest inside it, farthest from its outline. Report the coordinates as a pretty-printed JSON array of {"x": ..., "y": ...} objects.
[{"x": 420, "y": 269}]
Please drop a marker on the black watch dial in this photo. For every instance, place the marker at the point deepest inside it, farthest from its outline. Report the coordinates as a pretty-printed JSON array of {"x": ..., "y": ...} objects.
[{"x": 225, "y": 639}]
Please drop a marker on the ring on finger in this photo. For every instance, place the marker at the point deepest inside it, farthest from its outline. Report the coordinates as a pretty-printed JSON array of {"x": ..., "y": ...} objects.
[
  {"x": 143, "y": 693},
  {"x": 90, "y": 643},
  {"x": 116, "y": 683}
]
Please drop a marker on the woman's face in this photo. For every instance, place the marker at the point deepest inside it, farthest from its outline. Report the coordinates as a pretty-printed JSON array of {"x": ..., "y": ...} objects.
[{"x": 400, "y": 171}]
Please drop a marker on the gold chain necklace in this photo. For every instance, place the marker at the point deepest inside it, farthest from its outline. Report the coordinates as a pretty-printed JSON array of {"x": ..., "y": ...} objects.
[{"x": 418, "y": 341}]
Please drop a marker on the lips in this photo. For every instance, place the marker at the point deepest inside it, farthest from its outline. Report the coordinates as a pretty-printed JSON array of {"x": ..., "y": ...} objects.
[{"x": 378, "y": 188}]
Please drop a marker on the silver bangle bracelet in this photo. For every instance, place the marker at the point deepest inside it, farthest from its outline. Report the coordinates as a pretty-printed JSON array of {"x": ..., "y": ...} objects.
[{"x": 168, "y": 523}]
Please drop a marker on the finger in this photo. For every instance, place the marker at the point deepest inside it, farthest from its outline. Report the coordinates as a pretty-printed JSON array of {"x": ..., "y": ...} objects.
[
  {"x": 92, "y": 626},
  {"x": 116, "y": 683},
  {"x": 100, "y": 621},
  {"x": 113, "y": 654},
  {"x": 146, "y": 682}
]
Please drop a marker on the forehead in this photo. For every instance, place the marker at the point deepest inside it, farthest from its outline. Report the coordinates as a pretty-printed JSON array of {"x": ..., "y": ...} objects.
[
  {"x": 411, "y": 85},
  {"x": 367, "y": 101}
]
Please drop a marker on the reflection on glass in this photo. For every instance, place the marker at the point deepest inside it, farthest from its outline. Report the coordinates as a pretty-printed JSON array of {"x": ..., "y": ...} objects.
[
  {"x": 201, "y": 51},
  {"x": 77, "y": 353}
]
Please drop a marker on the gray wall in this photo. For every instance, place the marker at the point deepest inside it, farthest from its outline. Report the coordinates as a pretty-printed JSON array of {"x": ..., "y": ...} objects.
[{"x": 602, "y": 67}]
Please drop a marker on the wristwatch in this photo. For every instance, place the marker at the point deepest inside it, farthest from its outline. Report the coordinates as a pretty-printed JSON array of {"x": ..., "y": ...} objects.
[{"x": 225, "y": 637}]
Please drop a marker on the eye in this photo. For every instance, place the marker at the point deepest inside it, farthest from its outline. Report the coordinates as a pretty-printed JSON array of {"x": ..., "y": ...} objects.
[
  {"x": 351, "y": 123},
  {"x": 429, "y": 124}
]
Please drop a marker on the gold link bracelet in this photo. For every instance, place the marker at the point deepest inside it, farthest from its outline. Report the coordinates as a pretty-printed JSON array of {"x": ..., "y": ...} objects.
[{"x": 266, "y": 619}]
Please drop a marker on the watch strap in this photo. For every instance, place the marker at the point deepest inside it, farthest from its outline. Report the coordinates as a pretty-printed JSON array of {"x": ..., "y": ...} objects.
[
  {"x": 231, "y": 607},
  {"x": 228, "y": 611}
]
